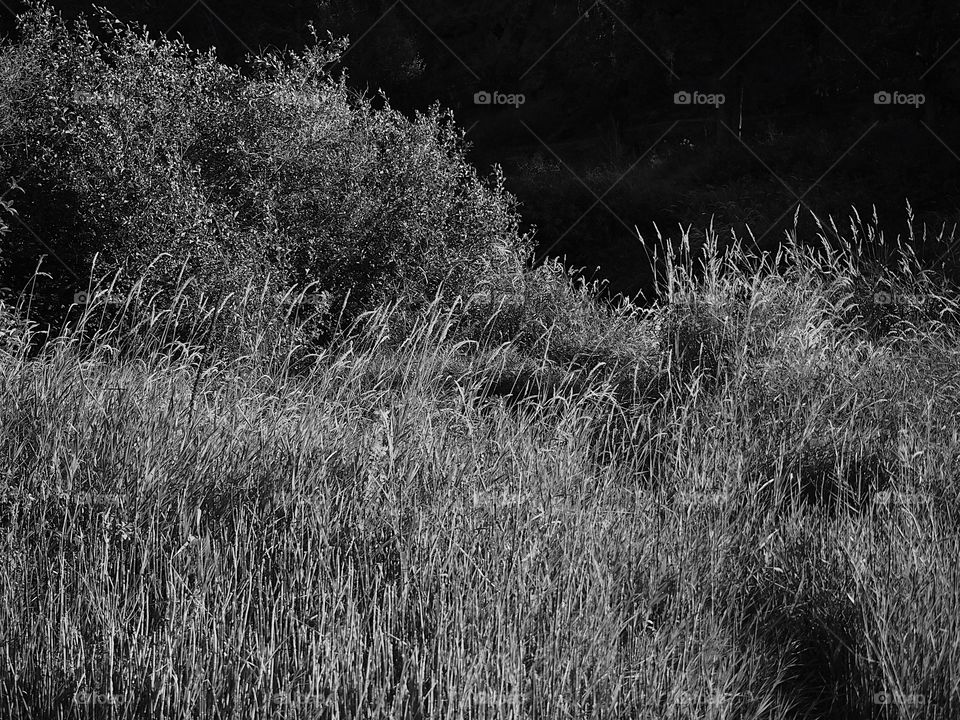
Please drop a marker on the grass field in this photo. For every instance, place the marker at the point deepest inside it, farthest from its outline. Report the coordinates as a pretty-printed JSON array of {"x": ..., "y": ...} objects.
[{"x": 748, "y": 511}]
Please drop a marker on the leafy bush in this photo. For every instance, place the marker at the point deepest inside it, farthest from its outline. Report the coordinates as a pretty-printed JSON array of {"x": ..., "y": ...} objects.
[{"x": 149, "y": 155}]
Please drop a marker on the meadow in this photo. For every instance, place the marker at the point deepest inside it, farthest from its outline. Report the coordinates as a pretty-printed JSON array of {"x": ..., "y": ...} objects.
[
  {"x": 440, "y": 482},
  {"x": 746, "y": 509}
]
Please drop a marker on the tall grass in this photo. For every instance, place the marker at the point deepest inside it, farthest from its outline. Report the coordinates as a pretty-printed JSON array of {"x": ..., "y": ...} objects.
[{"x": 740, "y": 503}]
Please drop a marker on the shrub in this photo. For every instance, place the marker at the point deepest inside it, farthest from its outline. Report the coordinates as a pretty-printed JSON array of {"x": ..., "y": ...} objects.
[{"x": 149, "y": 155}]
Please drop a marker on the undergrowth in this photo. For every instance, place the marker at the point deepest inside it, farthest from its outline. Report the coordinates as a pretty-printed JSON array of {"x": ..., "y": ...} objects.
[{"x": 740, "y": 502}]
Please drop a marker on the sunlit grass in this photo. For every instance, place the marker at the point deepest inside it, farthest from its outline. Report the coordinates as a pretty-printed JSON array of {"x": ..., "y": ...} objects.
[{"x": 741, "y": 506}]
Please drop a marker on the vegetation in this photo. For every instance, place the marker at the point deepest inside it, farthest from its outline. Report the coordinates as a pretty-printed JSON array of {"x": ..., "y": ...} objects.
[
  {"x": 476, "y": 493},
  {"x": 758, "y": 521},
  {"x": 146, "y": 154},
  {"x": 799, "y": 123}
]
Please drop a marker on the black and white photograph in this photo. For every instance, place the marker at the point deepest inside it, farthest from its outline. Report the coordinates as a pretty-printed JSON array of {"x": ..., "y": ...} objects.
[{"x": 502, "y": 360}]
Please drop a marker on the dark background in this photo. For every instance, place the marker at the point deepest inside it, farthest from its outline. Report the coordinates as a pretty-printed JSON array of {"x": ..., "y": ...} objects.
[{"x": 600, "y": 150}]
